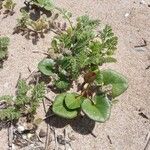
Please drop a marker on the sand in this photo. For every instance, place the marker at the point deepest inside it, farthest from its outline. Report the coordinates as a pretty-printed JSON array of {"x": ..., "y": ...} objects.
[{"x": 130, "y": 21}]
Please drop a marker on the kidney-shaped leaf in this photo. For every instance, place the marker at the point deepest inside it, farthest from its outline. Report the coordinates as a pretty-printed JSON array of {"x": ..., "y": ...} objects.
[
  {"x": 60, "y": 109},
  {"x": 46, "y": 66},
  {"x": 73, "y": 100},
  {"x": 119, "y": 82},
  {"x": 100, "y": 111}
]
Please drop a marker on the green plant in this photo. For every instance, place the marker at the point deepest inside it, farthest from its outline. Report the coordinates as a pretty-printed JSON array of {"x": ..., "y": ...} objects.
[
  {"x": 4, "y": 42},
  {"x": 9, "y": 6},
  {"x": 77, "y": 51},
  {"x": 25, "y": 23},
  {"x": 35, "y": 28},
  {"x": 46, "y": 4},
  {"x": 24, "y": 104}
]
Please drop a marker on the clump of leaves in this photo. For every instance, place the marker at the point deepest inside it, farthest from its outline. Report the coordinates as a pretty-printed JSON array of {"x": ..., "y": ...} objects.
[
  {"x": 9, "y": 6},
  {"x": 80, "y": 50},
  {"x": 24, "y": 104},
  {"x": 35, "y": 28},
  {"x": 29, "y": 27},
  {"x": 4, "y": 42}
]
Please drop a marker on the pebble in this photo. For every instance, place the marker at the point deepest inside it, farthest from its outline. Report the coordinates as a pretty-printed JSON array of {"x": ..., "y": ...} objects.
[
  {"x": 127, "y": 15},
  {"x": 142, "y": 2},
  {"x": 42, "y": 133},
  {"x": 20, "y": 129}
]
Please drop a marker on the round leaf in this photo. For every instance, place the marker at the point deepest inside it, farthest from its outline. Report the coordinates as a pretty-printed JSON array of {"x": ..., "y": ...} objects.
[
  {"x": 60, "y": 109},
  {"x": 46, "y": 66},
  {"x": 73, "y": 100},
  {"x": 100, "y": 111},
  {"x": 119, "y": 82}
]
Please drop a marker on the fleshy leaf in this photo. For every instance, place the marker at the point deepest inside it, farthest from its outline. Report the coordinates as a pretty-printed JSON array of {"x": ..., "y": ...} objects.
[
  {"x": 73, "y": 100},
  {"x": 119, "y": 82},
  {"x": 60, "y": 109},
  {"x": 100, "y": 111},
  {"x": 46, "y": 66}
]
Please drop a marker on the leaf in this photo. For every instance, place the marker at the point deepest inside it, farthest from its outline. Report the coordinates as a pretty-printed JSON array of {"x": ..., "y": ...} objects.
[
  {"x": 47, "y": 4},
  {"x": 62, "y": 85},
  {"x": 119, "y": 82},
  {"x": 46, "y": 66},
  {"x": 100, "y": 111},
  {"x": 73, "y": 100},
  {"x": 99, "y": 78},
  {"x": 60, "y": 109}
]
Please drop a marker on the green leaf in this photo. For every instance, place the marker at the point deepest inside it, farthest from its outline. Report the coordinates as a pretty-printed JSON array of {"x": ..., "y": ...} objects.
[
  {"x": 73, "y": 100},
  {"x": 62, "y": 85},
  {"x": 46, "y": 66},
  {"x": 100, "y": 111},
  {"x": 99, "y": 78},
  {"x": 119, "y": 82},
  {"x": 60, "y": 109}
]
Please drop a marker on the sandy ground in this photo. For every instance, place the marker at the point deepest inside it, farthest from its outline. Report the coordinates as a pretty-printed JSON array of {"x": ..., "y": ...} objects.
[{"x": 130, "y": 21}]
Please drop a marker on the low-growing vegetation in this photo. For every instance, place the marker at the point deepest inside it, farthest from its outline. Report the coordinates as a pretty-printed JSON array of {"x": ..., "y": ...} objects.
[
  {"x": 73, "y": 66},
  {"x": 80, "y": 50},
  {"x": 8, "y": 6},
  {"x": 4, "y": 42}
]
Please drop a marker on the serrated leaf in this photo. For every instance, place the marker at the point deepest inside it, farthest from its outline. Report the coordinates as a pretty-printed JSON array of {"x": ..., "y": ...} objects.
[
  {"x": 100, "y": 111},
  {"x": 73, "y": 100},
  {"x": 46, "y": 66},
  {"x": 119, "y": 82},
  {"x": 60, "y": 109}
]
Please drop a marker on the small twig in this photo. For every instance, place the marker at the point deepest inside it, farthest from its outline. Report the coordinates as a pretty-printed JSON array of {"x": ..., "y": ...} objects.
[
  {"x": 148, "y": 141},
  {"x": 48, "y": 99},
  {"x": 40, "y": 53},
  {"x": 109, "y": 139},
  {"x": 147, "y": 67},
  {"x": 47, "y": 137},
  {"x": 10, "y": 135},
  {"x": 51, "y": 115},
  {"x": 47, "y": 129},
  {"x": 30, "y": 75},
  {"x": 55, "y": 137},
  {"x": 29, "y": 69},
  {"x": 18, "y": 80},
  {"x": 65, "y": 139},
  {"x": 39, "y": 138}
]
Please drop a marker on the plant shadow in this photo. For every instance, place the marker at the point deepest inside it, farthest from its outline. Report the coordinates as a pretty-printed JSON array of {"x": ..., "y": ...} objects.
[
  {"x": 81, "y": 124},
  {"x": 35, "y": 13}
]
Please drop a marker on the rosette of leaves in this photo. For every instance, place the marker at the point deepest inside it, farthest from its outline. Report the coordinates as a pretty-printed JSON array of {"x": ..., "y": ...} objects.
[
  {"x": 95, "y": 102},
  {"x": 4, "y": 42}
]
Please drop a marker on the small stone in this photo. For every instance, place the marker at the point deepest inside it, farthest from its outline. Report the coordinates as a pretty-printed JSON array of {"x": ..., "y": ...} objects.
[
  {"x": 42, "y": 133},
  {"x": 29, "y": 135},
  {"x": 24, "y": 136},
  {"x": 127, "y": 15},
  {"x": 71, "y": 137},
  {"x": 142, "y": 2},
  {"x": 61, "y": 140},
  {"x": 20, "y": 129}
]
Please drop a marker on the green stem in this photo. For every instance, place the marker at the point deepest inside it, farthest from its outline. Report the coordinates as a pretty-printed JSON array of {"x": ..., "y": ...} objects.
[{"x": 65, "y": 16}]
